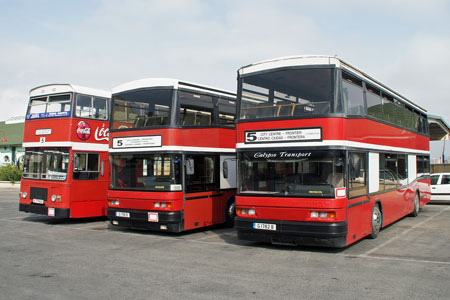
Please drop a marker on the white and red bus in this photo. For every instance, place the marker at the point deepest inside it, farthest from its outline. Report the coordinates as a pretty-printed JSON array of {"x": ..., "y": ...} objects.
[
  {"x": 172, "y": 155},
  {"x": 66, "y": 136},
  {"x": 326, "y": 154}
]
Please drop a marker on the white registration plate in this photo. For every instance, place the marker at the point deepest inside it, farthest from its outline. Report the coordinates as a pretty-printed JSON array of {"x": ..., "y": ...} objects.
[
  {"x": 38, "y": 201},
  {"x": 51, "y": 212},
  {"x": 264, "y": 226},
  {"x": 122, "y": 214}
]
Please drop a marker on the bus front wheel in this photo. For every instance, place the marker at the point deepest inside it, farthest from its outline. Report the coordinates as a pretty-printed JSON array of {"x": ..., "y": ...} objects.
[{"x": 376, "y": 222}]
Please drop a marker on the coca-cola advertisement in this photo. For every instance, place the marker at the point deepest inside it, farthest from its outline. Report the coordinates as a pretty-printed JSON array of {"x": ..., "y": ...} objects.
[{"x": 83, "y": 130}]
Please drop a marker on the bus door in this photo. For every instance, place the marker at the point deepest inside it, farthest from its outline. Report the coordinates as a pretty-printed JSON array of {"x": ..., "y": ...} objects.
[
  {"x": 204, "y": 203},
  {"x": 89, "y": 184}
]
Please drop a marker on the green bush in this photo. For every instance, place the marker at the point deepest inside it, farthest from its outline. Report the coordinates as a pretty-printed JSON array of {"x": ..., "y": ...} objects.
[{"x": 10, "y": 173}]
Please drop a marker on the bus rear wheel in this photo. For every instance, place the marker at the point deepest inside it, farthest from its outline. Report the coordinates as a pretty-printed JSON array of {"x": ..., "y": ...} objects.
[
  {"x": 230, "y": 213},
  {"x": 416, "y": 209},
  {"x": 376, "y": 222}
]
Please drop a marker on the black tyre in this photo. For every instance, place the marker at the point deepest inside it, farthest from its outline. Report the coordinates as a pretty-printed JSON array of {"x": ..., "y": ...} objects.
[
  {"x": 230, "y": 213},
  {"x": 416, "y": 209},
  {"x": 376, "y": 222}
]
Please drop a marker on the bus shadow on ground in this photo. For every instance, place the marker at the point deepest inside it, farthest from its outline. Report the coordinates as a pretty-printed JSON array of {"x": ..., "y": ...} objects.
[
  {"x": 62, "y": 221},
  {"x": 187, "y": 235},
  {"x": 227, "y": 235},
  {"x": 234, "y": 240}
]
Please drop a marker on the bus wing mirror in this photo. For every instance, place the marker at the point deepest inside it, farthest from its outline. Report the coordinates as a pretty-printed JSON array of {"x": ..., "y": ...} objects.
[
  {"x": 102, "y": 168},
  {"x": 190, "y": 166},
  {"x": 225, "y": 169}
]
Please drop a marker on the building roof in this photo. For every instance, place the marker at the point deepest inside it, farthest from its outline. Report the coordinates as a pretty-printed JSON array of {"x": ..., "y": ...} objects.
[{"x": 439, "y": 129}]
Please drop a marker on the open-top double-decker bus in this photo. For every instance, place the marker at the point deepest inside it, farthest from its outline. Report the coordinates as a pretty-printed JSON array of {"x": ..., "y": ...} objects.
[
  {"x": 326, "y": 154},
  {"x": 172, "y": 154},
  {"x": 65, "y": 171}
]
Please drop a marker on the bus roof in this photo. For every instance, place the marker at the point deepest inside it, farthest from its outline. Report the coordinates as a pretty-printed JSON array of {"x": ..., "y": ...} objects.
[
  {"x": 168, "y": 83},
  {"x": 58, "y": 88},
  {"x": 322, "y": 60}
]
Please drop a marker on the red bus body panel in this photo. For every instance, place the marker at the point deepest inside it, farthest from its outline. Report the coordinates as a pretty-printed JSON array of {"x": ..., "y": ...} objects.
[
  {"x": 79, "y": 198},
  {"x": 343, "y": 129},
  {"x": 356, "y": 212},
  {"x": 198, "y": 209}
]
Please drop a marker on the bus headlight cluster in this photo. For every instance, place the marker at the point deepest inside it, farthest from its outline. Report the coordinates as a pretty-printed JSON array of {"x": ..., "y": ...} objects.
[
  {"x": 113, "y": 202},
  {"x": 23, "y": 195},
  {"x": 323, "y": 215},
  {"x": 163, "y": 205},
  {"x": 246, "y": 211},
  {"x": 56, "y": 198}
]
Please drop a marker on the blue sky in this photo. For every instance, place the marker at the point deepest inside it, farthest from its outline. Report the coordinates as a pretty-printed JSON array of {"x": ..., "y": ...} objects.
[{"x": 402, "y": 43}]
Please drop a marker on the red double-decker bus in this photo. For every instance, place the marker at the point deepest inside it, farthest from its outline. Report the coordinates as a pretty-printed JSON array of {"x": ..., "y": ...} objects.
[
  {"x": 66, "y": 136},
  {"x": 326, "y": 154},
  {"x": 172, "y": 154}
]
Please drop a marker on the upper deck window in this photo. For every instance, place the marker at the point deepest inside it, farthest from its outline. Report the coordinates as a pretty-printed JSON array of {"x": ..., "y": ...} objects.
[
  {"x": 353, "y": 95},
  {"x": 91, "y": 107},
  {"x": 195, "y": 109},
  {"x": 143, "y": 108},
  {"x": 227, "y": 111},
  {"x": 293, "y": 93},
  {"x": 374, "y": 104},
  {"x": 49, "y": 107}
]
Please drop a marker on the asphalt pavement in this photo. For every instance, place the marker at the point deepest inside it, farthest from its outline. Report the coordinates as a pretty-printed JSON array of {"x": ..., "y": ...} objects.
[{"x": 44, "y": 258}]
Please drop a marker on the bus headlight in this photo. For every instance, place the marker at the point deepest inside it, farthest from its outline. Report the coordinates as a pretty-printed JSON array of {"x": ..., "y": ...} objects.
[
  {"x": 323, "y": 215},
  {"x": 53, "y": 198},
  {"x": 24, "y": 195},
  {"x": 162, "y": 205}
]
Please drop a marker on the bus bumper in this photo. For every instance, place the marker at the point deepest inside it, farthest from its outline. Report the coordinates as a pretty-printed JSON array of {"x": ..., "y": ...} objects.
[
  {"x": 44, "y": 210},
  {"x": 294, "y": 232},
  {"x": 171, "y": 221}
]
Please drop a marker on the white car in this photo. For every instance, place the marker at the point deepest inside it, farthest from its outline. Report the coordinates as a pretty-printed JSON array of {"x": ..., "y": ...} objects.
[{"x": 440, "y": 187}]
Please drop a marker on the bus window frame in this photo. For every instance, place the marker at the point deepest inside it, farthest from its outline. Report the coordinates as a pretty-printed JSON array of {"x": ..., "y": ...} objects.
[
  {"x": 47, "y": 102},
  {"x": 91, "y": 107}
]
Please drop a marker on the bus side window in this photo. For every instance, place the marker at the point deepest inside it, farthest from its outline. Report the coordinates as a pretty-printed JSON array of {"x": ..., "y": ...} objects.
[{"x": 86, "y": 166}]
